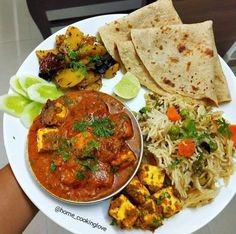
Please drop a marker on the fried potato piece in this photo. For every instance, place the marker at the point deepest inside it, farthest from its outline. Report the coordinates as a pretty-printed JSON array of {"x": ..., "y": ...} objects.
[
  {"x": 137, "y": 191},
  {"x": 111, "y": 71},
  {"x": 151, "y": 176},
  {"x": 89, "y": 79},
  {"x": 96, "y": 86},
  {"x": 73, "y": 38},
  {"x": 168, "y": 201},
  {"x": 123, "y": 211},
  {"x": 68, "y": 78},
  {"x": 92, "y": 50},
  {"x": 42, "y": 53},
  {"x": 150, "y": 216},
  {"x": 47, "y": 139}
]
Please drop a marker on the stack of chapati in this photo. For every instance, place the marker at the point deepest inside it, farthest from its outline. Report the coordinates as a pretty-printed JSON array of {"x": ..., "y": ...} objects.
[{"x": 166, "y": 55}]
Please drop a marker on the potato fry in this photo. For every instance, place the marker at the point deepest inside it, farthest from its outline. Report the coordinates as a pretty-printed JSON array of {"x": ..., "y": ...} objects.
[
  {"x": 111, "y": 71},
  {"x": 72, "y": 40},
  {"x": 92, "y": 50},
  {"x": 42, "y": 53},
  {"x": 68, "y": 78}
]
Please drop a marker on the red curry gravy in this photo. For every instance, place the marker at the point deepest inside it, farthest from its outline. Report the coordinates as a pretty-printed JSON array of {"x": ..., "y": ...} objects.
[{"x": 83, "y": 146}]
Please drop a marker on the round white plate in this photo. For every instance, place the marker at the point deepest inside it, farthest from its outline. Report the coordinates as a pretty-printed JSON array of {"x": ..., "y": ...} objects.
[{"x": 94, "y": 218}]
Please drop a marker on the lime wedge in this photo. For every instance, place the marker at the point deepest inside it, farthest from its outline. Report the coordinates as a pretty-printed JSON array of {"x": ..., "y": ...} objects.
[
  {"x": 128, "y": 87},
  {"x": 30, "y": 112},
  {"x": 42, "y": 92},
  {"x": 13, "y": 104}
]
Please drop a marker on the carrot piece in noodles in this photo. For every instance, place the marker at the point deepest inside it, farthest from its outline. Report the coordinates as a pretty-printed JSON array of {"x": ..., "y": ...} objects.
[
  {"x": 173, "y": 114},
  {"x": 232, "y": 128},
  {"x": 186, "y": 148}
]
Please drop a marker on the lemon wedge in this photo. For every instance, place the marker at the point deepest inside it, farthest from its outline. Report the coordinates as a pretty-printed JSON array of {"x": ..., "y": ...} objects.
[{"x": 128, "y": 87}]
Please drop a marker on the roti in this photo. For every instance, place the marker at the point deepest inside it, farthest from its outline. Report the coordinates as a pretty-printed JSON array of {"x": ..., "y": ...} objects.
[
  {"x": 133, "y": 64},
  {"x": 161, "y": 12},
  {"x": 183, "y": 59}
]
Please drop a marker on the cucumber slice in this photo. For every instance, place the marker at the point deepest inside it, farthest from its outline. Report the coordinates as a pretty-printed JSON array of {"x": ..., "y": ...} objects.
[
  {"x": 13, "y": 104},
  {"x": 42, "y": 92},
  {"x": 30, "y": 112},
  {"x": 27, "y": 81},
  {"x": 16, "y": 86}
]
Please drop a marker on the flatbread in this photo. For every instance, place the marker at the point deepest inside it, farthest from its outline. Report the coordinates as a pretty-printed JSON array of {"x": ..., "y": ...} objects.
[
  {"x": 221, "y": 85},
  {"x": 133, "y": 64},
  {"x": 158, "y": 13},
  {"x": 182, "y": 59}
]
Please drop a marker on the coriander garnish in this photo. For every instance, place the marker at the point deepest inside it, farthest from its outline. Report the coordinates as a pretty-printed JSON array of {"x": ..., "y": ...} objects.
[
  {"x": 223, "y": 127},
  {"x": 52, "y": 167}
]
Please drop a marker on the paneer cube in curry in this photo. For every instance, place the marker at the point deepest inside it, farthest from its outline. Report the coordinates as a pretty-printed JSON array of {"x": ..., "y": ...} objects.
[{"x": 47, "y": 139}]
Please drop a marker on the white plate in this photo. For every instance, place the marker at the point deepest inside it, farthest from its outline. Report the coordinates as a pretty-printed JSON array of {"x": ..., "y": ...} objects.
[{"x": 94, "y": 219}]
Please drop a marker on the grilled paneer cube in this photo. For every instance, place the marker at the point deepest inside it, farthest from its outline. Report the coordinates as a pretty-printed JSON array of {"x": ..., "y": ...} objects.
[
  {"x": 47, "y": 139},
  {"x": 137, "y": 191},
  {"x": 151, "y": 176},
  {"x": 123, "y": 211},
  {"x": 150, "y": 216},
  {"x": 168, "y": 201}
]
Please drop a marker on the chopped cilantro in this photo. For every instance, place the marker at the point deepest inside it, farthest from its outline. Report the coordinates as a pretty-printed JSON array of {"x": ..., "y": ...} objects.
[
  {"x": 67, "y": 101},
  {"x": 95, "y": 59},
  {"x": 114, "y": 169},
  {"x": 65, "y": 155},
  {"x": 65, "y": 149},
  {"x": 156, "y": 222},
  {"x": 174, "y": 163},
  {"x": 114, "y": 223},
  {"x": 103, "y": 132},
  {"x": 73, "y": 54},
  {"x": 102, "y": 127},
  {"x": 223, "y": 127},
  {"x": 80, "y": 174},
  {"x": 93, "y": 167},
  {"x": 79, "y": 66},
  {"x": 92, "y": 145},
  {"x": 202, "y": 137},
  {"x": 158, "y": 201},
  {"x": 88, "y": 155},
  {"x": 60, "y": 56},
  {"x": 144, "y": 110},
  {"x": 88, "y": 165},
  {"x": 189, "y": 129},
  {"x": 52, "y": 167},
  {"x": 79, "y": 126},
  {"x": 165, "y": 195}
]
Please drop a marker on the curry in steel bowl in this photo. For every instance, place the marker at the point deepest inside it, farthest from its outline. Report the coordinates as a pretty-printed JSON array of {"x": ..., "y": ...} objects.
[{"x": 84, "y": 147}]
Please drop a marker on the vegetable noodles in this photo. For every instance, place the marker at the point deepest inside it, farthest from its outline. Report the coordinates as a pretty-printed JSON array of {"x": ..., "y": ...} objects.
[{"x": 193, "y": 144}]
